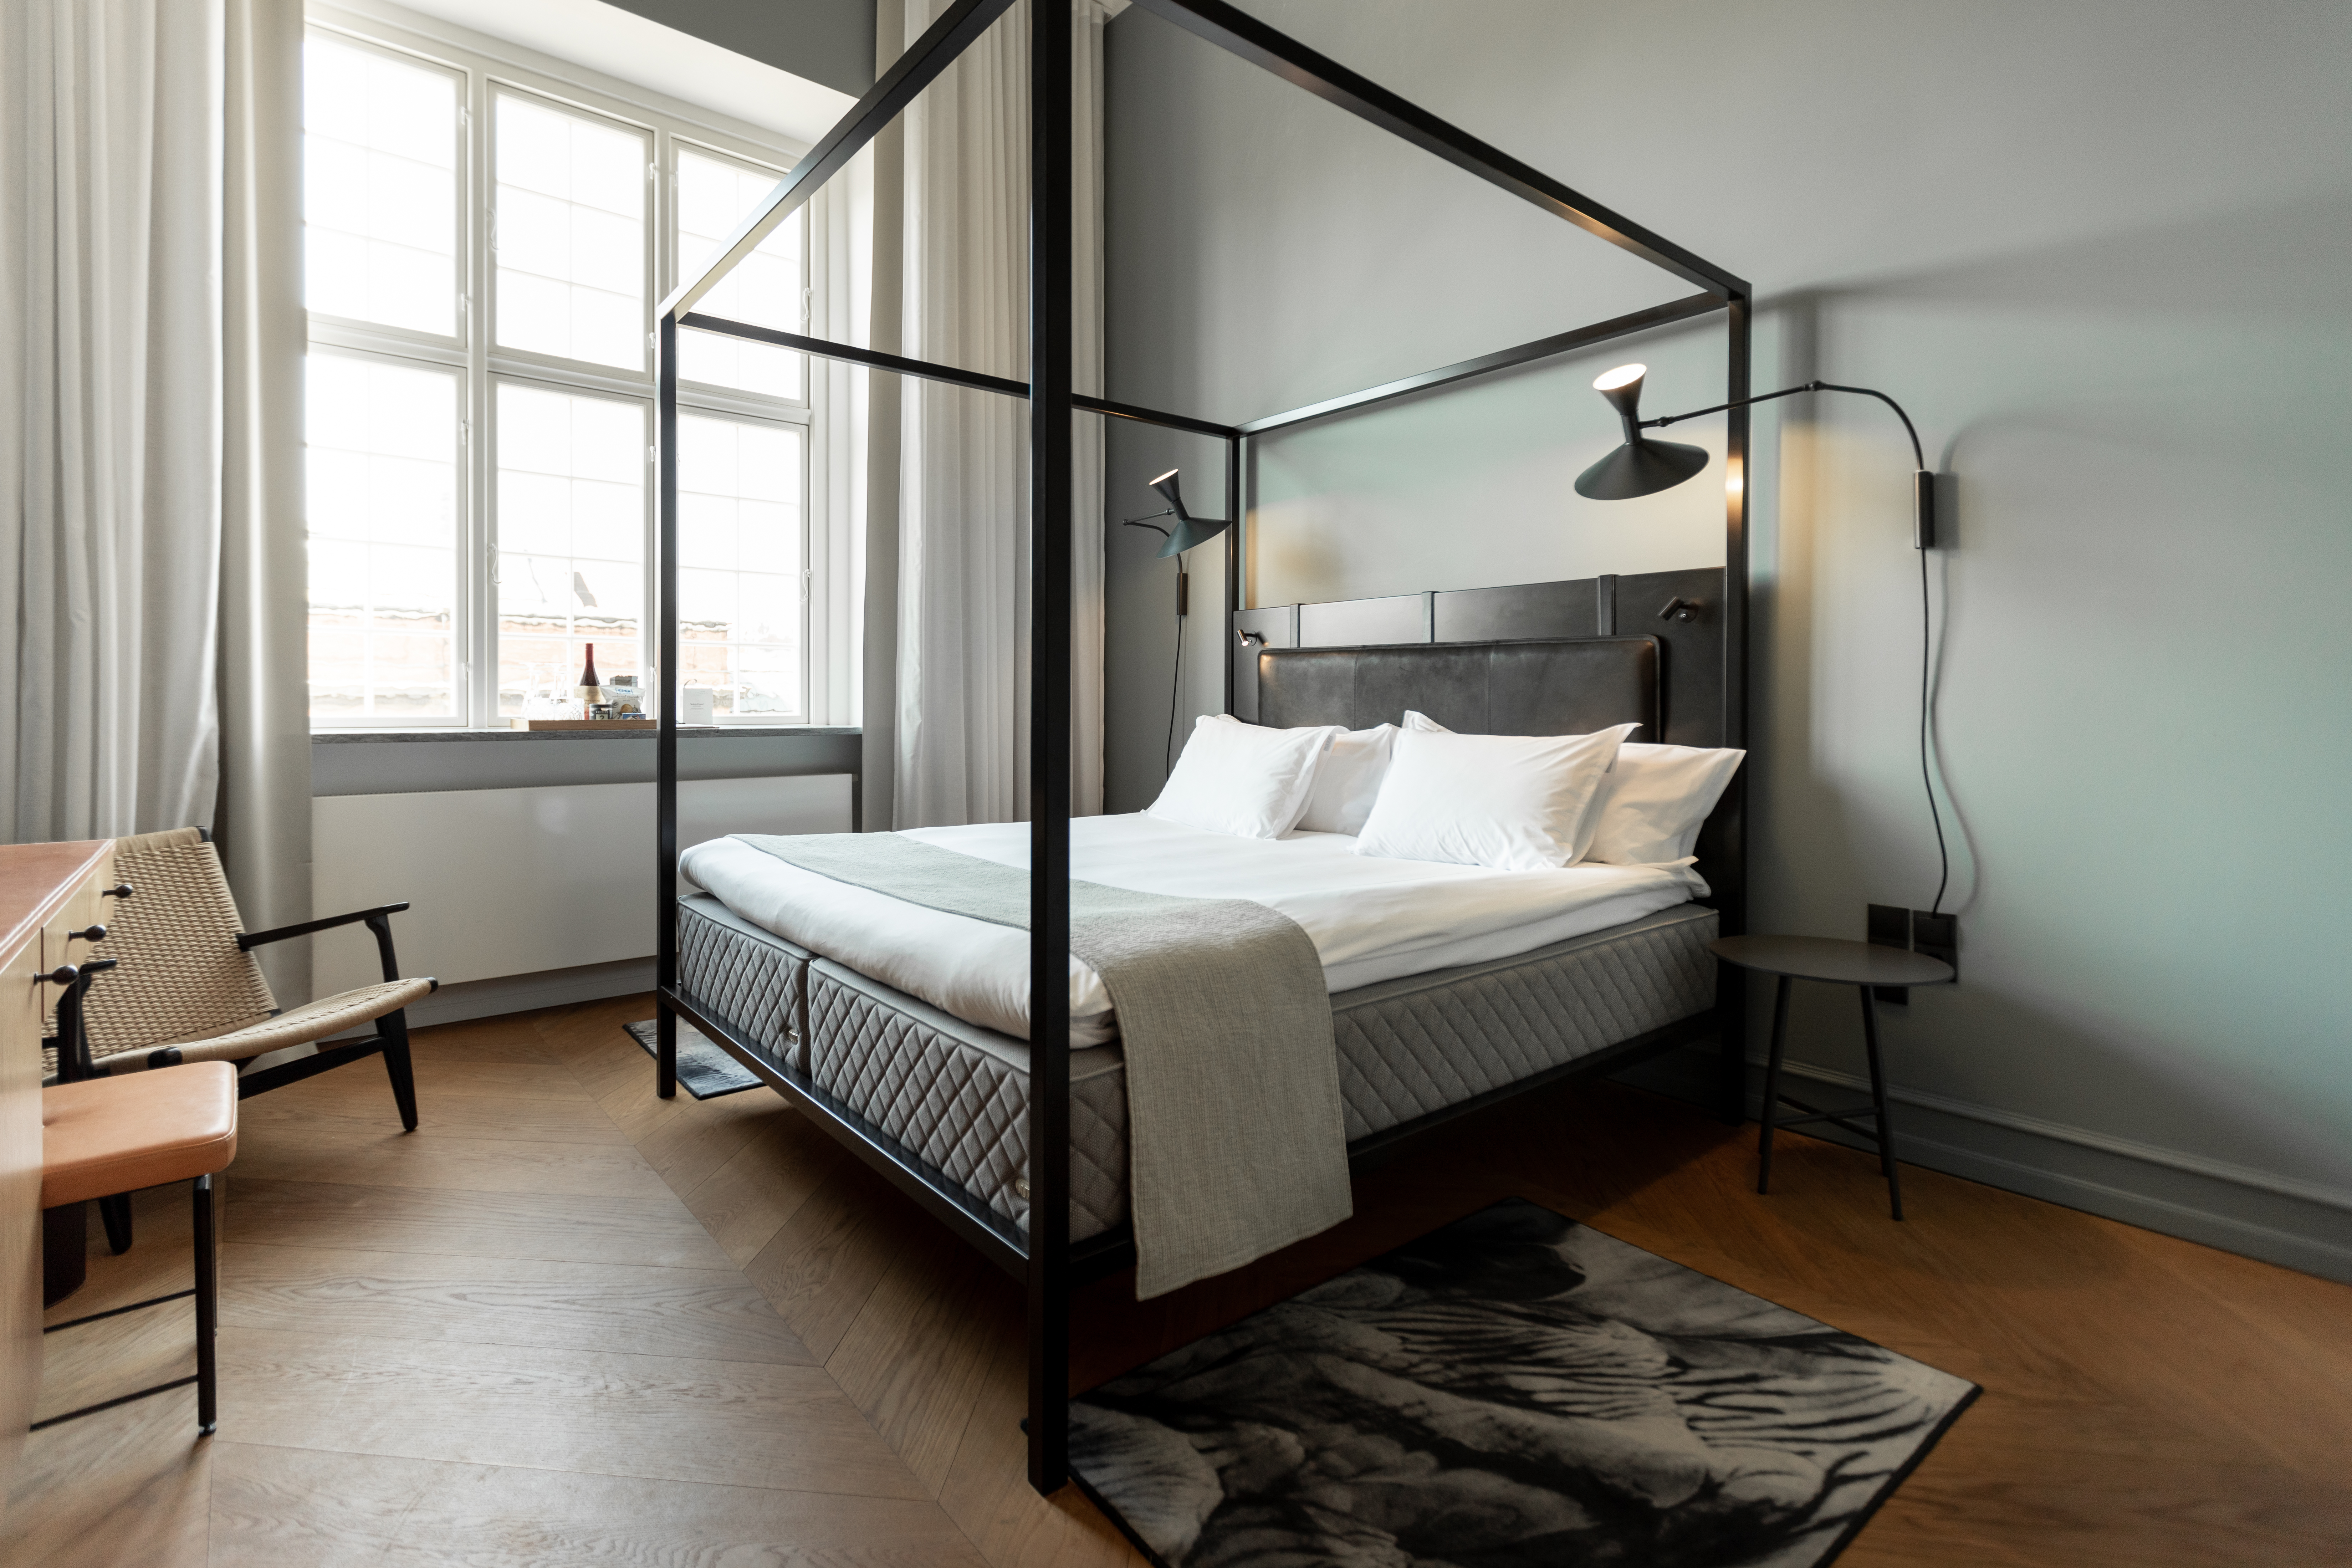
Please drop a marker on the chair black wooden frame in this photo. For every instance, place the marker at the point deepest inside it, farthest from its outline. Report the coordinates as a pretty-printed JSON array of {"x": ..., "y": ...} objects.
[{"x": 1049, "y": 1264}]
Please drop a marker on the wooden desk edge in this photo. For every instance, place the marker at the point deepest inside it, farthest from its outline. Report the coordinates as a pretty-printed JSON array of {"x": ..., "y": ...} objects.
[{"x": 56, "y": 875}]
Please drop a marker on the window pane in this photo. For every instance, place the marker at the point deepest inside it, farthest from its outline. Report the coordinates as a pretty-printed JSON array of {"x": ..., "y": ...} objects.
[
  {"x": 739, "y": 562},
  {"x": 570, "y": 234},
  {"x": 379, "y": 191},
  {"x": 383, "y": 513},
  {"x": 571, "y": 530},
  {"x": 764, "y": 289}
]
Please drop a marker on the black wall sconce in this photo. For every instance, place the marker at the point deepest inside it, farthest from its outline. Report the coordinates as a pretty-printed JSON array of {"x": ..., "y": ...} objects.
[
  {"x": 1642, "y": 467},
  {"x": 1188, "y": 532}
]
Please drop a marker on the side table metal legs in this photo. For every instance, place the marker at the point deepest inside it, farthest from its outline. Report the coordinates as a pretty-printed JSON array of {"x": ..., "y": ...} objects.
[
  {"x": 1878, "y": 1101},
  {"x": 1772, "y": 1085},
  {"x": 1882, "y": 1135}
]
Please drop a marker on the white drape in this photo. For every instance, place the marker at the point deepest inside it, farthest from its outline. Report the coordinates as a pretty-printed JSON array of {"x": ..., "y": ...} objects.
[
  {"x": 110, "y": 147},
  {"x": 151, "y": 342},
  {"x": 962, "y": 710},
  {"x": 264, "y": 824}
]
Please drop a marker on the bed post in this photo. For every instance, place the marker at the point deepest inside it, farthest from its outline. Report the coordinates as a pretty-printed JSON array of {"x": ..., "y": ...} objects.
[
  {"x": 1234, "y": 568},
  {"x": 1729, "y": 876},
  {"x": 1050, "y": 523},
  {"x": 666, "y": 700}
]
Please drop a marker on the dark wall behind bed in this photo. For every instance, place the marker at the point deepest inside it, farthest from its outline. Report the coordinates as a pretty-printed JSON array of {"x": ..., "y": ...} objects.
[{"x": 2097, "y": 249}]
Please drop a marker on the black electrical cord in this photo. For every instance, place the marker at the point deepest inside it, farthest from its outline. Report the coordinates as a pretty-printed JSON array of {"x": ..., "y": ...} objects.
[
  {"x": 1927, "y": 778},
  {"x": 1175, "y": 681}
]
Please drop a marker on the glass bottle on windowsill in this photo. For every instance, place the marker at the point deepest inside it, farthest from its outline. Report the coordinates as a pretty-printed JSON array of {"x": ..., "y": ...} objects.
[{"x": 590, "y": 690}]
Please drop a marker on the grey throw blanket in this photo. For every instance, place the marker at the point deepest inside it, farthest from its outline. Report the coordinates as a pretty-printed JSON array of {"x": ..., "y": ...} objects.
[{"x": 1236, "y": 1140}]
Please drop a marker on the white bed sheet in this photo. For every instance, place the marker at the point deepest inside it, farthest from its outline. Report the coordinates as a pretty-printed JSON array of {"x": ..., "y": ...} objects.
[{"x": 1370, "y": 918}]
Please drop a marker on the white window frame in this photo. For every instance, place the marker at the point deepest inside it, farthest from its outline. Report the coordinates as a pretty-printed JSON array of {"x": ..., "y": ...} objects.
[{"x": 488, "y": 67}]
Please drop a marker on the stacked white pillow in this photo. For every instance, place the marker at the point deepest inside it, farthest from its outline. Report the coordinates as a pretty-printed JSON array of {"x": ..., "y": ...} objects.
[
  {"x": 1348, "y": 779},
  {"x": 1242, "y": 779},
  {"x": 1516, "y": 802},
  {"x": 1651, "y": 805},
  {"x": 1654, "y": 801}
]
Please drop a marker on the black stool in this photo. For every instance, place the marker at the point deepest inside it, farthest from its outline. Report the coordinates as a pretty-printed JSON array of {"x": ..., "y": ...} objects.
[{"x": 1860, "y": 965}]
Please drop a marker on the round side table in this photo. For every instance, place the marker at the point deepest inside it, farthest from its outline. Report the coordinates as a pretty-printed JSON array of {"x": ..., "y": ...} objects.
[{"x": 1856, "y": 963}]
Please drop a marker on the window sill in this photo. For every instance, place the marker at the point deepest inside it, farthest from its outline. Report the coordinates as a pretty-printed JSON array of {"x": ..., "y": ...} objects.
[{"x": 685, "y": 732}]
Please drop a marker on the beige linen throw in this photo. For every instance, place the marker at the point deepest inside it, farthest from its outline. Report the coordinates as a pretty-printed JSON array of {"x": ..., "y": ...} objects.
[{"x": 1236, "y": 1139}]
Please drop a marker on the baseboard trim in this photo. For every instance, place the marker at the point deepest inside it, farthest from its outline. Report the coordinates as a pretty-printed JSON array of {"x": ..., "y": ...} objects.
[
  {"x": 527, "y": 993},
  {"x": 2295, "y": 1224},
  {"x": 2230, "y": 1232},
  {"x": 2083, "y": 1138}
]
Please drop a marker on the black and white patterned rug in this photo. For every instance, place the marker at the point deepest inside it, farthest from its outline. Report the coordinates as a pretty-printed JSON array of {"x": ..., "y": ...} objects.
[
  {"x": 706, "y": 1071},
  {"x": 1514, "y": 1390}
]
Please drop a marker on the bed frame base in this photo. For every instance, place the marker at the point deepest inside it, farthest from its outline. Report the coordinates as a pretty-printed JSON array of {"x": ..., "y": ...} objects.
[{"x": 1098, "y": 1256}]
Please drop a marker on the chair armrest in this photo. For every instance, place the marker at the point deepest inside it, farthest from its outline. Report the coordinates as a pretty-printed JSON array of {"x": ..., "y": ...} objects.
[{"x": 248, "y": 941}]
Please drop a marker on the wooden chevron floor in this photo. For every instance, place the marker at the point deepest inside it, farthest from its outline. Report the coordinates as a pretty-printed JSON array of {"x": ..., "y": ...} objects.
[{"x": 566, "y": 1323}]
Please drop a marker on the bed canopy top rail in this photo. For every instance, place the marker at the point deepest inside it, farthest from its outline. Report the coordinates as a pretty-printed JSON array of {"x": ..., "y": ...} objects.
[
  {"x": 1238, "y": 33},
  {"x": 1048, "y": 1262},
  {"x": 874, "y": 359}
]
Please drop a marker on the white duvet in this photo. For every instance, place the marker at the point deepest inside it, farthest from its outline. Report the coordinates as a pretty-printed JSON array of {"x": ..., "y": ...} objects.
[{"x": 1370, "y": 918}]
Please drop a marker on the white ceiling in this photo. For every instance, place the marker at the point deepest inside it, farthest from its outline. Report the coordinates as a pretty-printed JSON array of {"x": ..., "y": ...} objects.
[{"x": 621, "y": 43}]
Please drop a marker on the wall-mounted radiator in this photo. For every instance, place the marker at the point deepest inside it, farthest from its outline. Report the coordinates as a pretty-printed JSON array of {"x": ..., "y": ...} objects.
[{"x": 520, "y": 881}]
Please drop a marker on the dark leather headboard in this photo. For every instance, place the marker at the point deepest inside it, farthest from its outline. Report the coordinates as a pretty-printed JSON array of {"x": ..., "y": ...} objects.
[{"x": 1553, "y": 687}]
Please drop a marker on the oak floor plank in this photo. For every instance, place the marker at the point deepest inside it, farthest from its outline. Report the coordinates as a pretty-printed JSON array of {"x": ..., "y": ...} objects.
[
  {"x": 447, "y": 1162},
  {"x": 555, "y": 1227},
  {"x": 825, "y": 1261},
  {"x": 479, "y": 1040},
  {"x": 986, "y": 1488},
  {"x": 299, "y": 1508},
  {"x": 750, "y": 1198},
  {"x": 291, "y": 1508},
  {"x": 691, "y": 1146},
  {"x": 441, "y": 1112},
  {"x": 658, "y": 1417},
  {"x": 915, "y": 1358},
  {"x": 364, "y": 1083},
  {"x": 711, "y": 1314},
  {"x": 127, "y": 1486}
]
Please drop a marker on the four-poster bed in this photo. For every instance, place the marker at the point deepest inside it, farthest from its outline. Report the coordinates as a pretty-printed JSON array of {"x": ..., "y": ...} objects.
[{"x": 1547, "y": 658}]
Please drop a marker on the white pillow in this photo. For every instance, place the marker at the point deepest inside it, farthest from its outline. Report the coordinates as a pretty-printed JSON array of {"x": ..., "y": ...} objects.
[
  {"x": 1651, "y": 806},
  {"x": 1516, "y": 803},
  {"x": 1348, "y": 780},
  {"x": 1242, "y": 779},
  {"x": 1582, "y": 844}
]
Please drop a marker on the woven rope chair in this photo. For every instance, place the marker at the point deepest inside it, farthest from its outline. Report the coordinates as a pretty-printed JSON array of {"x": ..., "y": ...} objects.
[{"x": 185, "y": 987}]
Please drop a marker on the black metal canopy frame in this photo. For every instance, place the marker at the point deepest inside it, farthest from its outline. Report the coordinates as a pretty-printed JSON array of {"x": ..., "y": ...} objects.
[{"x": 1048, "y": 1263}]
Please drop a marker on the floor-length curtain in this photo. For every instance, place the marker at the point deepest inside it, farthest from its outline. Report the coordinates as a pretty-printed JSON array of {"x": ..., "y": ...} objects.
[
  {"x": 963, "y": 668},
  {"x": 111, "y": 116},
  {"x": 264, "y": 675}
]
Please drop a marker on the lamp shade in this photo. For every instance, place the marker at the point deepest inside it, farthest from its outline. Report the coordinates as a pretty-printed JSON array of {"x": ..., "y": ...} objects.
[
  {"x": 1640, "y": 467},
  {"x": 1189, "y": 531}
]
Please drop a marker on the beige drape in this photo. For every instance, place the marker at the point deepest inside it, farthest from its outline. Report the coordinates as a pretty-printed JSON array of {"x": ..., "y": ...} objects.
[
  {"x": 151, "y": 342},
  {"x": 263, "y": 822},
  {"x": 961, "y": 655},
  {"x": 110, "y": 411}
]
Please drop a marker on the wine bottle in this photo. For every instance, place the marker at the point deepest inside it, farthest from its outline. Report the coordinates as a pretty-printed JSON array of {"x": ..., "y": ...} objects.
[{"x": 590, "y": 693}]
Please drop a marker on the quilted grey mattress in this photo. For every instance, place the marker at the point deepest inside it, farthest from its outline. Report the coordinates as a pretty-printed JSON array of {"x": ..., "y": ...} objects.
[{"x": 956, "y": 1096}]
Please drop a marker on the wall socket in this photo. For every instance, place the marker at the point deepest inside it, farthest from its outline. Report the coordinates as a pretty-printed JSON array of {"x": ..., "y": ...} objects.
[
  {"x": 1914, "y": 931},
  {"x": 1891, "y": 927}
]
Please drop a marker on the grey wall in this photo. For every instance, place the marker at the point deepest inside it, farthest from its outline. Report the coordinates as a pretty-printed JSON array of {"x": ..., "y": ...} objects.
[
  {"x": 828, "y": 41},
  {"x": 2099, "y": 249}
]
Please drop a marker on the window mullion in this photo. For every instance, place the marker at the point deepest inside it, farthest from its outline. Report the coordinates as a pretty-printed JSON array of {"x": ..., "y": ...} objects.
[{"x": 482, "y": 661}]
